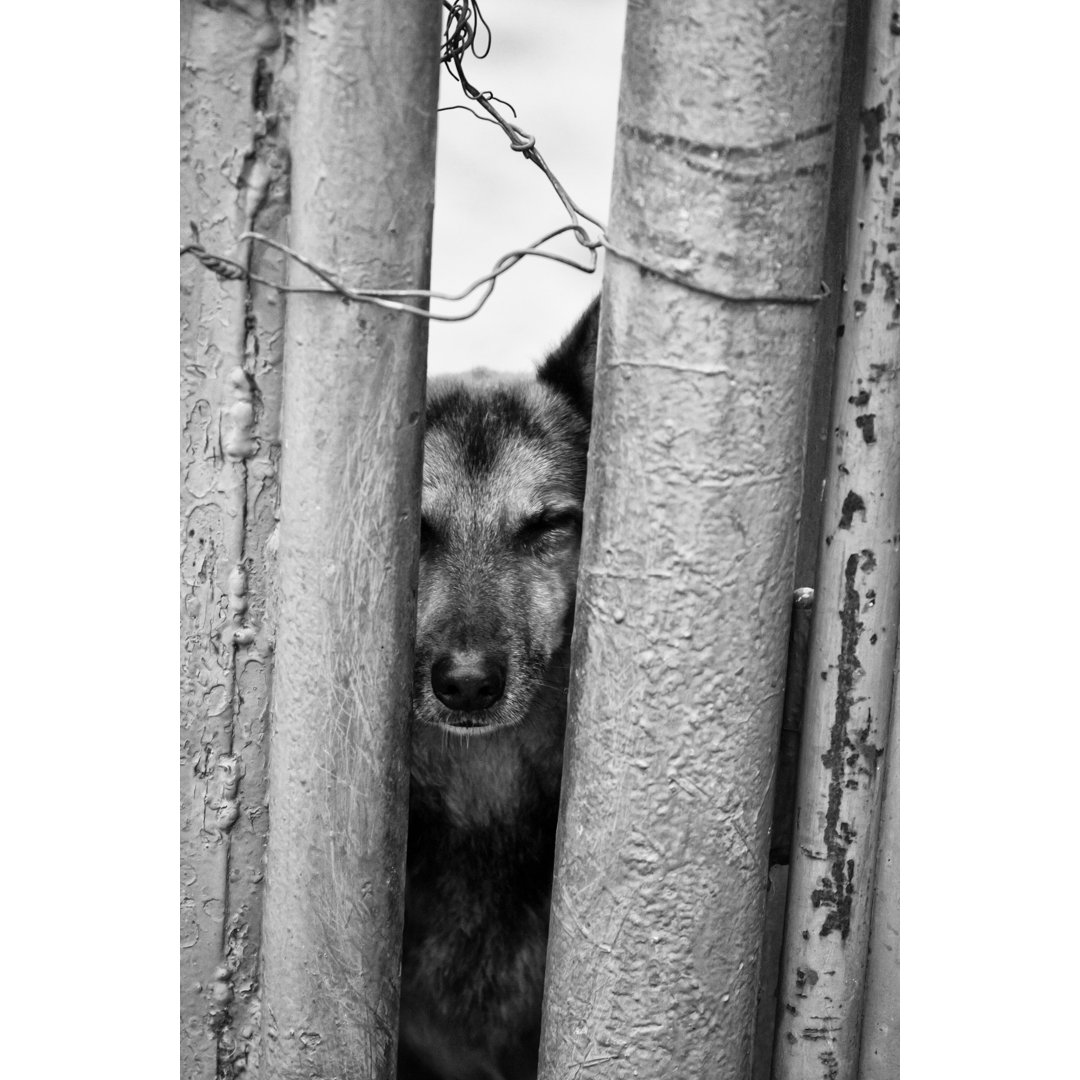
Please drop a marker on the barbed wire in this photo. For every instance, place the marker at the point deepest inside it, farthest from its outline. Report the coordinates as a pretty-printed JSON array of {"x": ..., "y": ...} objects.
[{"x": 464, "y": 22}]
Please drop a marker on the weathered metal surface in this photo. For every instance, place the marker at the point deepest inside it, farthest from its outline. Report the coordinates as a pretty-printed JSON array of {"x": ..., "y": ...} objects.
[
  {"x": 233, "y": 177},
  {"x": 722, "y": 179},
  {"x": 856, "y": 620},
  {"x": 363, "y": 143},
  {"x": 879, "y": 1052}
]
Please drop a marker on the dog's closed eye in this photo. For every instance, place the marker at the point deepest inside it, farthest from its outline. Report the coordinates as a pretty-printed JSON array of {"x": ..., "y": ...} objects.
[
  {"x": 429, "y": 535},
  {"x": 548, "y": 530}
]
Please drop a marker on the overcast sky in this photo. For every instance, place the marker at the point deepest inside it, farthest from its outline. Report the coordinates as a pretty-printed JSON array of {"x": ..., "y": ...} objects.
[{"x": 558, "y": 64}]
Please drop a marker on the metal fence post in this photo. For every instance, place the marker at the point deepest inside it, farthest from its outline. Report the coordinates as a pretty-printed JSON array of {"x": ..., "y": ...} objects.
[
  {"x": 856, "y": 618},
  {"x": 363, "y": 150},
  {"x": 725, "y": 140}
]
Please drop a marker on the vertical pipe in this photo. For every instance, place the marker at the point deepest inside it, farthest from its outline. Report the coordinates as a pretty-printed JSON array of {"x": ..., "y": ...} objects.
[
  {"x": 228, "y": 499},
  {"x": 879, "y": 1052},
  {"x": 723, "y": 155},
  {"x": 848, "y": 132},
  {"x": 363, "y": 150},
  {"x": 856, "y": 613}
]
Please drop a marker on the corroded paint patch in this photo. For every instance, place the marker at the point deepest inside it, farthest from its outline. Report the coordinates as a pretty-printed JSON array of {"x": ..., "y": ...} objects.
[
  {"x": 853, "y": 504},
  {"x": 836, "y": 889}
]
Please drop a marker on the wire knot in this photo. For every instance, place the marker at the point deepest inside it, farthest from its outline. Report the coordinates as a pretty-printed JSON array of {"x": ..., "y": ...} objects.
[
  {"x": 521, "y": 141},
  {"x": 224, "y": 268}
]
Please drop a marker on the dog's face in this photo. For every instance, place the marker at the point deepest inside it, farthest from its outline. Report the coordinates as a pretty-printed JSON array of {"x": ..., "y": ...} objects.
[{"x": 504, "y": 480}]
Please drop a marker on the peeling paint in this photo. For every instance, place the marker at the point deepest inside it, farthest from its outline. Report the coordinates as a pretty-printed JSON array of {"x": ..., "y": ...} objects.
[
  {"x": 872, "y": 120},
  {"x": 234, "y": 165},
  {"x": 865, "y": 424},
  {"x": 853, "y": 504},
  {"x": 835, "y": 891},
  {"x": 830, "y": 900},
  {"x": 832, "y": 1066}
]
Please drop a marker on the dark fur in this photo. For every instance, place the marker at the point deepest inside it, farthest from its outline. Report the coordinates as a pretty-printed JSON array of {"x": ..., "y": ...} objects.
[{"x": 504, "y": 480}]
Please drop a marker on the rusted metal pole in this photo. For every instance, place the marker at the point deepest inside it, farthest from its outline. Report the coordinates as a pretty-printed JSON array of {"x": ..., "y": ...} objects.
[
  {"x": 724, "y": 150},
  {"x": 363, "y": 152},
  {"x": 856, "y": 614}
]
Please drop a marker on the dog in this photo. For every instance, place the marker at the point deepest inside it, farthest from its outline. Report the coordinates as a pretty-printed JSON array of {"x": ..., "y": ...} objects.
[{"x": 504, "y": 481}]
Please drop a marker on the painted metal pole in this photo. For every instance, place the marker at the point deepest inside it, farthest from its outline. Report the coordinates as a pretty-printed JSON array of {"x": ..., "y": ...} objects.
[
  {"x": 233, "y": 178},
  {"x": 363, "y": 151},
  {"x": 856, "y": 615},
  {"x": 879, "y": 1053},
  {"x": 725, "y": 139}
]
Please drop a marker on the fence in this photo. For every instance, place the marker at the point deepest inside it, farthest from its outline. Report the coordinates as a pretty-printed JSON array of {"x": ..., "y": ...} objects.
[{"x": 748, "y": 136}]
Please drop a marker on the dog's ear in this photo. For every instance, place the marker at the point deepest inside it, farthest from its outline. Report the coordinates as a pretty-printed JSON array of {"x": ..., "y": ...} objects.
[{"x": 570, "y": 369}]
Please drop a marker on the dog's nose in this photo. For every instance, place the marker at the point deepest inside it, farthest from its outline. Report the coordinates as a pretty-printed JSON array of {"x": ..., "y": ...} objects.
[{"x": 466, "y": 682}]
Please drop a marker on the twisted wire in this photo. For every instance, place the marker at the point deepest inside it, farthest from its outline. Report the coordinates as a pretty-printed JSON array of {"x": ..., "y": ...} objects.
[{"x": 467, "y": 32}]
